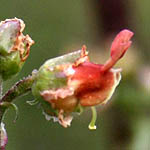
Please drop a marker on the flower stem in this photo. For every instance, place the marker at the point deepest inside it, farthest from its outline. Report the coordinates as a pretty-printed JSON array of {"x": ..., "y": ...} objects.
[
  {"x": 1, "y": 87},
  {"x": 19, "y": 89},
  {"x": 1, "y": 92}
]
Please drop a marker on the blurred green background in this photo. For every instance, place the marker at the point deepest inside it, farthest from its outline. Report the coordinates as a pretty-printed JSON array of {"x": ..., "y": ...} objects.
[{"x": 62, "y": 26}]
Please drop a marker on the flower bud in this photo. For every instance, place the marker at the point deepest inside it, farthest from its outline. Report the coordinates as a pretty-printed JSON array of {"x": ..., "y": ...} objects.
[
  {"x": 67, "y": 84},
  {"x": 14, "y": 47},
  {"x": 51, "y": 80},
  {"x": 3, "y": 136}
]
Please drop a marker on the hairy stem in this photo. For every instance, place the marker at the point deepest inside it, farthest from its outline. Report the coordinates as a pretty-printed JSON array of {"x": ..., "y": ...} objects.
[{"x": 19, "y": 89}]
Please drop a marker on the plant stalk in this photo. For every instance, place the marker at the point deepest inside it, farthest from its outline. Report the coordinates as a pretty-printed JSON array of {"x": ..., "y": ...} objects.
[
  {"x": 1, "y": 87},
  {"x": 21, "y": 88}
]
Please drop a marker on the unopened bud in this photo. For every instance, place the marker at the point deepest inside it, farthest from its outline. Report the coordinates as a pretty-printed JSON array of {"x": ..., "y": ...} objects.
[
  {"x": 14, "y": 47},
  {"x": 3, "y": 136}
]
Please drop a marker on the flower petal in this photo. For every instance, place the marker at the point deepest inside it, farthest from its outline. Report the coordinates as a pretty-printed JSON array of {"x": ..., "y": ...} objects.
[{"x": 120, "y": 44}]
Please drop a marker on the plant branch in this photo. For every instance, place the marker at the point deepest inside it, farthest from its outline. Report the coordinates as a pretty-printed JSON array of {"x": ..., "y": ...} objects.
[{"x": 20, "y": 88}]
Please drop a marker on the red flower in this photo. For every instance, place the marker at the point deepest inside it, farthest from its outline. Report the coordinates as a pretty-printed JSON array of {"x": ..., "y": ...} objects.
[
  {"x": 88, "y": 84},
  {"x": 96, "y": 83}
]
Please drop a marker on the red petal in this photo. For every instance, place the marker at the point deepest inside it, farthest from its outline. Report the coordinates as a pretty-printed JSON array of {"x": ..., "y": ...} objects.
[
  {"x": 120, "y": 44},
  {"x": 88, "y": 76},
  {"x": 108, "y": 83}
]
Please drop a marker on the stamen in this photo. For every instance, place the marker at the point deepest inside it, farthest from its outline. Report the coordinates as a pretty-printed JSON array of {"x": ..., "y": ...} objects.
[{"x": 92, "y": 125}]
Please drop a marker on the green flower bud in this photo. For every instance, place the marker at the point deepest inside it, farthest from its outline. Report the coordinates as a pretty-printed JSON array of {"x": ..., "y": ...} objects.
[
  {"x": 14, "y": 47},
  {"x": 51, "y": 76}
]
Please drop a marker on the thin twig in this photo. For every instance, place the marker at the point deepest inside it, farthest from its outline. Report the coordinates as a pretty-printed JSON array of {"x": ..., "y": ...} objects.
[
  {"x": 20, "y": 88},
  {"x": 1, "y": 87}
]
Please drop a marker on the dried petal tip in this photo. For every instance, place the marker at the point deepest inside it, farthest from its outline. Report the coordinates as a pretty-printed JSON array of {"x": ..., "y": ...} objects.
[
  {"x": 83, "y": 56},
  {"x": 3, "y": 136},
  {"x": 120, "y": 44},
  {"x": 65, "y": 121}
]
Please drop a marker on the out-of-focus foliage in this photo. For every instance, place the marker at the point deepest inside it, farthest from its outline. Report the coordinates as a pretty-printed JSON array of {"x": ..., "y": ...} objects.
[{"x": 57, "y": 26}]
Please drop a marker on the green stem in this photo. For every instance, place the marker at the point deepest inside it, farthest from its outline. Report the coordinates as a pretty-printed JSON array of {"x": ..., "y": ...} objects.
[
  {"x": 1, "y": 92},
  {"x": 2, "y": 111},
  {"x": 1, "y": 87},
  {"x": 19, "y": 89}
]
